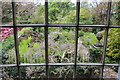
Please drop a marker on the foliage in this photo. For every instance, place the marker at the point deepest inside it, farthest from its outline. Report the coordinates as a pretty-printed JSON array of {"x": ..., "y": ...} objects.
[
  {"x": 118, "y": 13},
  {"x": 89, "y": 38},
  {"x": 5, "y": 32},
  {"x": 85, "y": 18},
  {"x": 24, "y": 12},
  {"x": 113, "y": 46},
  {"x": 28, "y": 47},
  {"x": 115, "y": 20},
  {"x": 7, "y": 42},
  {"x": 39, "y": 16},
  {"x": 61, "y": 52},
  {"x": 68, "y": 19},
  {"x": 59, "y": 10},
  {"x": 6, "y": 46},
  {"x": 6, "y": 12},
  {"x": 23, "y": 46},
  {"x": 11, "y": 72},
  {"x": 94, "y": 30},
  {"x": 99, "y": 13},
  {"x": 61, "y": 41},
  {"x": 88, "y": 71},
  {"x": 96, "y": 55}
]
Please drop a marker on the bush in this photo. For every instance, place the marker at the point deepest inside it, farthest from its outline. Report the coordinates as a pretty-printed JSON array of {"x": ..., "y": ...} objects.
[{"x": 113, "y": 51}]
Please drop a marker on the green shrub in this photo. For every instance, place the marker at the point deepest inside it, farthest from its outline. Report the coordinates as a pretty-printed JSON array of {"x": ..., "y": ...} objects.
[
  {"x": 89, "y": 39},
  {"x": 113, "y": 50}
]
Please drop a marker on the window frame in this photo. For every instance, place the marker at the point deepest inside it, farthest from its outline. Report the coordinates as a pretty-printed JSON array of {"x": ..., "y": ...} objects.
[{"x": 46, "y": 25}]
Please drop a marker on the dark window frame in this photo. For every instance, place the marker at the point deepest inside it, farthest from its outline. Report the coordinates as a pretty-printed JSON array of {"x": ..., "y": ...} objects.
[{"x": 46, "y": 25}]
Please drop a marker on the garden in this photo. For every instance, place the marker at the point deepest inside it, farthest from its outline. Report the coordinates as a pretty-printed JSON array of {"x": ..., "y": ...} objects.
[{"x": 61, "y": 40}]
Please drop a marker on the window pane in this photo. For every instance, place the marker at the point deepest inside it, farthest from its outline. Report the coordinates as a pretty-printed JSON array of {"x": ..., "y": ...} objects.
[
  {"x": 62, "y": 12},
  {"x": 6, "y": 13},
  {"x": 61, "y": 43},
  {"x": 93, "y": 12},
  {"x": 31, "y": 45},
  {"x": 113, "y": 47},
  {"x": 32, "y": 72},
  {"x": 88, "y": 72},
  {"x": 61, "y": 72},
  {"x": 115, "y": 13},
  {"x": 110, "y": 72},
  {"x": 30, "y": 12},
  {"x": 7, "y": 51},
  {"x": 90, "y": 45},
  {"x": 9, "y": 73}
]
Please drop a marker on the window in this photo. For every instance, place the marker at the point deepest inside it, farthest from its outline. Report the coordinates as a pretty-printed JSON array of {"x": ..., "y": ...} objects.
[{"x": 49, "y": 35}]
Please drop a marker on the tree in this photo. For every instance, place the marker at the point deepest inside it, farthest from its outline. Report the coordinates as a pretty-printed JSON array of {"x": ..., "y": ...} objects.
[
  {"x": 118, "y": 13},
  {"x": 23, "y": 12},
  {"x": 59, "y": 10},
  {"x": 6, "y": 12},
  {"x": 85, "y": 18},
  {"x": 68, "y": 19},
  {"x": 39, "y": 16},
  {"x": 100, "y": 13}
]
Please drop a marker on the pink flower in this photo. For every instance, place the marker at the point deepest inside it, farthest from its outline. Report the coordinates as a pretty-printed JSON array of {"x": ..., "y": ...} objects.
[
  {"x": 10, "y": 23},
  {"x": 6, "y": 32}
]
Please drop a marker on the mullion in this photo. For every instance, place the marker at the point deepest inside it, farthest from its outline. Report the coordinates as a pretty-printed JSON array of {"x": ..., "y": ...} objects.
[
  {"x": 46, "y": 38},
  {"x": 76, "y": 35},
  {"x": 16, "y": 38},
  {"x": 105, "y": 39},
  {"x": 58, "y": 64},
  {"x": 60, "y": 25}
]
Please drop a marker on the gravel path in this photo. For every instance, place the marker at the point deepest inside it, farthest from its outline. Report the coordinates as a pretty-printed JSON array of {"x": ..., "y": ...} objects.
[{"x": 109, "y": 73}]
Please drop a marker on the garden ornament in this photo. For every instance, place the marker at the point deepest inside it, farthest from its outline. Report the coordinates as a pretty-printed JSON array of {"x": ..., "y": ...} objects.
[{"x": 99, "y": 37}]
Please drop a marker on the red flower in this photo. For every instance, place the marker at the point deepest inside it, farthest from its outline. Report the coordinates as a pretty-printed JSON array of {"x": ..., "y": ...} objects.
[
  {"x": 10, "y": 23},
  {"x": 6, "y": 32},
  {"x": 86, "y": 28}
]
